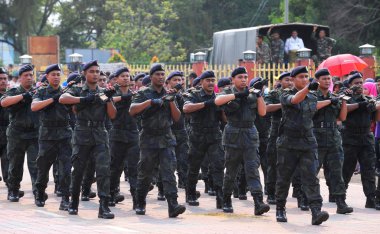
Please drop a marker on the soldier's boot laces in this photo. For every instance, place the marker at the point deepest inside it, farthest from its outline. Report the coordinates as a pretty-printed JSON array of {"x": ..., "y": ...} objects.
[
  {"x": 141, "y": 204},
  {"x": 39, "y": 199},
  {"x": 271, "y": 199},
  {"x": 318, "y": 216},
  {"x": 73, "y": 206},
  {"x": 219, "y": 198},
  {"x": 302, "y": 202},
  {"x": 104, "y": 210},
  {"x": 281, "y": 215},
  {"x": 370, "y": 203},
  {"x": 65, "y": 202},
  {"x": 342, "y": 207},
  {"x": 260, "y": 206},
  {"x": 13, "y": 196},
  {"x": 227, "y": 203},
  {"x": 160, "y": 195},
  {"x": 174, "y": 208}
]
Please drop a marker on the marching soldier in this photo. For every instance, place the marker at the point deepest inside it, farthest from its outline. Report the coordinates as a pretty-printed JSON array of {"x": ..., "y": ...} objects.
[
  {"x": 4, "y": 121},
  {"x": 158, "y": 110},
  {"x": 54, "y": 137},
  {"x": 90, "y": 138},
  {"x": 22, "y": 132},
  {"x": 205, "y": 137},
  {"x": 241, "y": 139}
]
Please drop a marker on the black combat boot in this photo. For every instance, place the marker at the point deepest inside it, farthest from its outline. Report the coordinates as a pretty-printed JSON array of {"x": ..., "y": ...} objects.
[
  {"x": 13, "y": 195},
  {"x": 134, "y": 200},
  {"x": 332, "y": 198},
  {"x": 39, "y": 198},
  {"x": 118, "y": 196},
  {"x": 104, "y": 211},
  {"x": 370, "y": 203},
  {"x": 85, "y": 196},
  {"x": 140, "y": 204},
  {"x": 318, "y": 216},
  {"x": 236, "y": 192},
  {"x": 342, "y": 207},
  {"x": 271, "y": 199},
  {"x": 281, "y": 214},
  {"x": 227, "y": 204},
  {"x": 242, "y": 188},
  {"x": 302, "y": 202},
  {"x": 211, "y": 189},
  {"x": 174, "y": 208},
  {"x": 191, "y": 196},
  {"x": 65, "y": 203},
  {"x": 260, "y": 206},
  {"x": 219, "y": 197},
  {"x": 74, "y": 203},
  {"x": 160, "y": 196},
  {"x": 20, "y": 193},
  {"x": 207, "y": 186},
  {"x": 112, "y": 201},
  {"x": 377, "y": 203}
]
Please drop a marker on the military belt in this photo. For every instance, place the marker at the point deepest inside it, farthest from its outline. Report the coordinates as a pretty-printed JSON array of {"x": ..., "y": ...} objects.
[
  {"x": 89, "y": 123},
  {"x": 325, "y": 125},
  {"x": 243, "y": 124},
  {"x": 357, "y": 130},
  {"x": 55, "y": 123},
  {"x": 125, "y": 127},
  {"x": 156, "y": 132}
]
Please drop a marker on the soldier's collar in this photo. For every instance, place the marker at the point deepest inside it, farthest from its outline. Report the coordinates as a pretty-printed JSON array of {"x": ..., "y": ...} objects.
[
  {"x": 155, "y": 91},
  {"x": 21, "y": 89},
  {"x": 50, "y": 88},
  {"x": 203, "y": 93},
  {"x": 85, "y": 87}
]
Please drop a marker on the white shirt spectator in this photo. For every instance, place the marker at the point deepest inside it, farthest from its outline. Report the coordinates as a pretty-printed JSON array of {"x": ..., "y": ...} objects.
[{"x": 293, "y": 44}]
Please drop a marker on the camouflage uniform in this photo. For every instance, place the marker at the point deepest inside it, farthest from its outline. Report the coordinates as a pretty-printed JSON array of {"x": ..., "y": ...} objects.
[
  {"x": 54, "y": 141},
  {"x": 263, "y": 53},
  {"x": 90, "y": 141},
  {"x": 358, "y": 145},
  {"x": 204, "y": 139},
  {"x": 324, "y": 46},
  {"x": 124, "y": 144},
  {"x": 297, "y": 147},
  {"x": 4, "y": 121},
  {"x": 22, "y": 135},
  {"x": 262, "y": 124},
  {"x": 277, "y": 50}
]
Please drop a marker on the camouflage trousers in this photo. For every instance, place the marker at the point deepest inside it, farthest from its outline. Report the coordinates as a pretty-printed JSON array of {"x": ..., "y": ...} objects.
[
  {"x": 181, "y": 153},
  {"x": 271, "y": 166},
  {"x": 49, "y": 152},
  {"x": 251, "y": 161},
  {"x": 16, "y": 149},
  {"x": 82, "y": 154},
  {"x": 365, "y": 154},
  {"x": 4, "y": 163},
  {"x": 287, "y": 162},
  {"x": 88, "y": 176},
  {"x": 165, "y": 160},
  {"x": 121, "y": 152}
]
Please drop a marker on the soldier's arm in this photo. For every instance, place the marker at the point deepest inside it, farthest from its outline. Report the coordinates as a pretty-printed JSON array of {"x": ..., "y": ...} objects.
[
  {"x": 273, "y": 107},
  {"x": 352, "y": 107},
  {"x": 192, "y": 107},
  {"x": 343, "y": 111},
  {"x": 261, "y": 107},
  {"x": 11, "y": 100},
  {"x": 174, "y": 111},
  {"x": 37, "y": 104},
  {"x": 111, "y": 110},
  {"x": 137, "y": 108},
  {"x": 69, "y": 99},
  {"x": 299, "y": 96},
  {"x": 223, "y": 99},
  {"x": 322, "y": 104}
]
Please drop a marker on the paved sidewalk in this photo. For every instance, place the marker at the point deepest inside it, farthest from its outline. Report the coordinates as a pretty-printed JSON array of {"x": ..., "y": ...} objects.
[{"x": 25, "y": 217}]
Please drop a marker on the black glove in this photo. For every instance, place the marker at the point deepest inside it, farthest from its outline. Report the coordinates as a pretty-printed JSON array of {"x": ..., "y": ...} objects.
[
  {"x": 88, "y": 99},
  {"x": 126, "y": 97},
  {"x": 209, "y": 103},
  {"x": 109, "y": 92},
  {"x": 27, "y": 96},
  {"x": 347, "y": 92},
  {"x": 313, "y": 86},
  {"x": 258, "y": 85},
  {"x": 334, "y": 100},
  {"x": 242, "y": 94},
  {"x": 169, "y": 98},
  {"x": 156, "y": 102},
  {"x": 363, "y": 105},
  {"x": 56, "y": 97}
]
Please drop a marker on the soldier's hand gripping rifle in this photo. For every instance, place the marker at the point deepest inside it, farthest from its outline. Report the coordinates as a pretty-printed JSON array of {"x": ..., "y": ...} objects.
[{"x": 172, "y": 93}]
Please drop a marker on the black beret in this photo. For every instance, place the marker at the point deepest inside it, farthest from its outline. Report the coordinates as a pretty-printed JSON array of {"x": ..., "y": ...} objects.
[
  {"x": 121, "y": 70},
  {"x": 72, "y": 76},
  {"x": 354, "y": 76},
  {"x": 238, "y": 71},
  {"x": 3, "y": 70},
  {"x": 193, "y": 75},
  {"x": 173, "y": 74},
  {"x": 146, "y": 80},
  {"x": 196, "y": 81},
  {"x": 207, "y": 74},
  {"x": 112, "y": 75},
  {"x": 25, "y": 68},
  {"x": 322, "y": 72},
  {"x": 254, "y": 80},
  {"x": 139, "y": 76},
  {"x": 53, "y": 67},
  {"x": 156, "y": 67},
  {"x": 223, "y": 82},
  {"x": 298, "y": 70},
  {"x": 90, "y": 64},
  {"x": 43, "y": 79},
  {"x": 283, "y": 75}
]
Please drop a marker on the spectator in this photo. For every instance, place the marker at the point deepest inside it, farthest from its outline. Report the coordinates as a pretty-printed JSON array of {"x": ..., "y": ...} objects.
[{"x": 293, "y": 44}]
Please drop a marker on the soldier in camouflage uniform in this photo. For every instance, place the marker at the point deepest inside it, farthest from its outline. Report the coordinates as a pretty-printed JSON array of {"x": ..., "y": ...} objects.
[
  {"x": 277, "y": 47},
  {"x": 4, "y": 121},
  {"x": 54, "y": 137},
  {"x": 90, "y": 137},
  {"x": 330, "y": 151},
  {"x": 22, "y": 132},
  {"x": 262, "y": 51},
  {"x": 204, "y": 137},
  {"x": 297, "y": 146},
  {"x": 274, "y": 107},
  {"x": 158, "y": 110},
  {"x": 324, "y": 45},
  {"x": 124, "y": 140},
  {"x": 358, "y": 140},
  {"x": 240, "y": 137}
]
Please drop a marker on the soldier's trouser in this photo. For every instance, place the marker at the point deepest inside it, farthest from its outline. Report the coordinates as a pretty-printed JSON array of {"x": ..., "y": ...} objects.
[
  {"x": 365, "y": 154},
  {"x": 296, "y": 180},
  {"x": 333, "y": 158},
  {"x": 89, "y": 174},
  {"x": 234, "y": 157},
  {"x": 377, "y": 150},
  {"x": 16, "y": 154},
  {"x": 205, "y": 173},
  {"x": 197, "y": 152},
  {"x": 166, "y": 161},
  {"x": 263, "y": 158},
  {"x": 4, "y": 163},
  {"x": 56, "y": 172},
  {"x": 120, "y": 152},
  {"x": 271, "y": 168},
  {"x": 49, "y": 152},
  {"x": 181, "y": 152},
  {"x": 307, "y": 162},
  {"x": 81, "y": 155}
]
